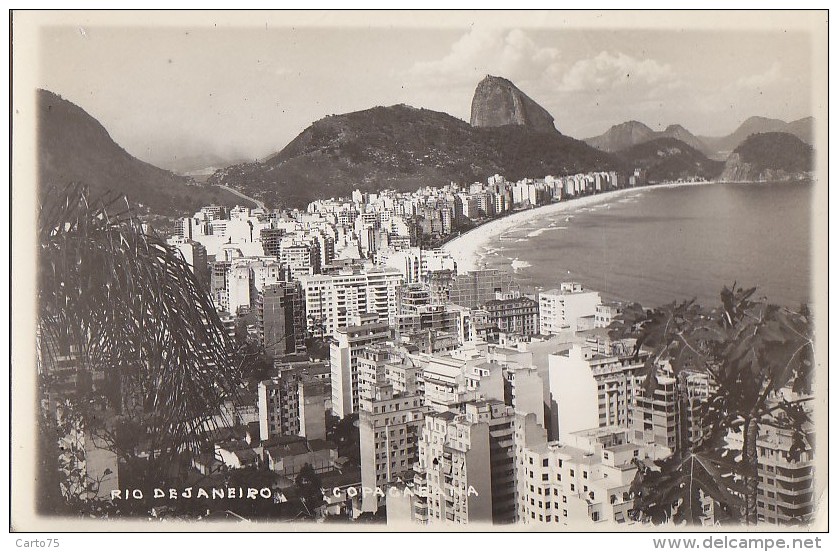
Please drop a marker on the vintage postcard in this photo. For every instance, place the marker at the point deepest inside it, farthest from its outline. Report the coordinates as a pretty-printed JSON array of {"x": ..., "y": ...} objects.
[{"x": 419, "y": 271}]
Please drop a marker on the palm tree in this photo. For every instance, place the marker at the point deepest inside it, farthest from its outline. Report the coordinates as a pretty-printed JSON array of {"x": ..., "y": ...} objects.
[
  {"x": 759, "y": 358},
  {"x": 129, "y": 312}
]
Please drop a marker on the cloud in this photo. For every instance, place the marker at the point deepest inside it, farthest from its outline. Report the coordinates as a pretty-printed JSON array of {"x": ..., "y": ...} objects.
[
  {"x": 511, "y": 54},
  {"x": 770, "y": 76},
  {"x": 608, "y": 72}
]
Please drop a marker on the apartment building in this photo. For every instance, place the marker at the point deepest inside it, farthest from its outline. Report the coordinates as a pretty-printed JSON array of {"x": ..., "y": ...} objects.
[
  {"x": 280, "y": 319},
  {"x": 518, "y": 315},
  {"x": 580, "y": 482},
  {"x": 344, "y": 352},
  {"x": 247, "y": 277},
  {"x": 559, "y": 309},
  {"x": 473, "y": 289},
  {"x": 292, "y": 404},
  {"x": 331, "y": 300},
  {"x": 390, "y": 417},
  {"x": 466, "y": 468},
  {"x": 593, "y": 384}
]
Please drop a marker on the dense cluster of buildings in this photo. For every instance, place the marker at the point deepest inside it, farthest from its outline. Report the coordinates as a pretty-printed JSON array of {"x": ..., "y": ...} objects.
[{"x": 475, "y": 401}]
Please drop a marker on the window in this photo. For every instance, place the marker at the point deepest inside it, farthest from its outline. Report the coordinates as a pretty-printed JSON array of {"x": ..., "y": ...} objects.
[
  {"x": 545, "y": 463},
  {"x": 585, "y": 474},
  {"x": 571, "y": 473},
  {"x": 545, "y": 476}
]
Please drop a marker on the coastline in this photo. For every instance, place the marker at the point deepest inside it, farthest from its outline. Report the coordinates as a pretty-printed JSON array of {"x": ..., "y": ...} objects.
[{"x": 466, "y": 248}]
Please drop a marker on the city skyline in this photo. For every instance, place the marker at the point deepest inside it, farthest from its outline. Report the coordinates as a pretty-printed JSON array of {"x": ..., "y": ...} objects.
[
  {"x": 412, "y": 320},
  {"x": 237, "y": 91}
]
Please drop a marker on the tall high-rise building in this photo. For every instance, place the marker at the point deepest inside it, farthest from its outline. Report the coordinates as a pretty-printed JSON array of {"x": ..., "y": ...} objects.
[
  {"x": 526, "y": 390},
  {"x": 593, "y": 385},
  {"x": 473, "y": 289},
  {"x": 668, "y": 415},
  {"x": 271, "y": 238},
  {"x": 279, "y": 312},
  {"x": 390, "y": 418},
  {"x": 416, "y": 263},
  {"x": 332, "y": 300},
  {"x": 559, "y": 309},
  {"x": 195, "y": 255},
  {"x": 247, "y": 277},
  {"x": 293, "y": 403},
  {"x": 218, "y": 284},
  {"x": 466, "y": 467},
  {"x": 786, "y": 488},
  {"x": 348, "y": 345},
  {"x": 302, "y": 259},
  {"x": 585, "y": 479},
  {"x": 416, "y": 313}
]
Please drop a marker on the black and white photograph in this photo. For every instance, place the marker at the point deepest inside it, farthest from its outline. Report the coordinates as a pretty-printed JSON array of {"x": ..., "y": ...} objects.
[{"x": 419, "y": 271}]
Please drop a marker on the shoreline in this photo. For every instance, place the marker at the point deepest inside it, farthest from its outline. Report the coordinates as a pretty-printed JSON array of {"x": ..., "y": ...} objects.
[{"x": 466, "y": 248}]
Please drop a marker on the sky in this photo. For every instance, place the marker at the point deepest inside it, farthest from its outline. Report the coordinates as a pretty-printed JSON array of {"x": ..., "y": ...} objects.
[{"x": 168, "y": 94}]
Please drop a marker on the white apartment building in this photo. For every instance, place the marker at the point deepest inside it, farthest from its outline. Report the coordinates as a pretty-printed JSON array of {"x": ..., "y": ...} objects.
[
  {"x": 527, "y": 390},
  {"x": 390, "y": 425},
  {"x": 576, "y": 483},
  {"x": 415, "y": 263},
  {"x": 333, "y": 299},
  {"x": 592, "y": 385},
  {"x": 466, "y": 468},
  {"x": 247, "y": 276},
  {"x": 348, "y": 345},
  {"x": 448, "y": 381},
  {"x": 559, "y": 309}
]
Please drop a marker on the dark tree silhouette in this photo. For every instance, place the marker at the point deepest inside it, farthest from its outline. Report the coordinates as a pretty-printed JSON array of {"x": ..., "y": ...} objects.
[
  {"x": 752, "y": 352},
  {"x": 120, "y": 302}
]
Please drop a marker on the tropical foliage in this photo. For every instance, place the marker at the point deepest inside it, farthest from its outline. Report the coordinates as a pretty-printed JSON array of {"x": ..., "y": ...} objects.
[
  {"x": 151, "y": 359},
  {"x": 759, "y": 359}
]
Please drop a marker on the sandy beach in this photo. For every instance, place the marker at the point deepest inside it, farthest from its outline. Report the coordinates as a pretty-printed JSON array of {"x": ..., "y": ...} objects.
[{"x": 467, "y": 249}]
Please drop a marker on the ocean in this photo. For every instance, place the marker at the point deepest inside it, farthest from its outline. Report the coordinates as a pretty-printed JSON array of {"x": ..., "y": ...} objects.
[{"x": 656, "y": 245}]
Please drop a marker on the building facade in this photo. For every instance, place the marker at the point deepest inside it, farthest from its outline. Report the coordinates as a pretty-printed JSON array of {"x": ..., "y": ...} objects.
[{"x": 559, "y": 309}]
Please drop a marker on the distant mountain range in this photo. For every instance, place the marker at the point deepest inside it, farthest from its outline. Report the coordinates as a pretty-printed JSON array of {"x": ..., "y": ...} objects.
[
  {"x": 399, "y": 147},
  {"x": 723, "y": 146},
  {"x": 631, "y": 133},
  {"x": 75, "y": 147},
  {"x": 405, "y": 148}
]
